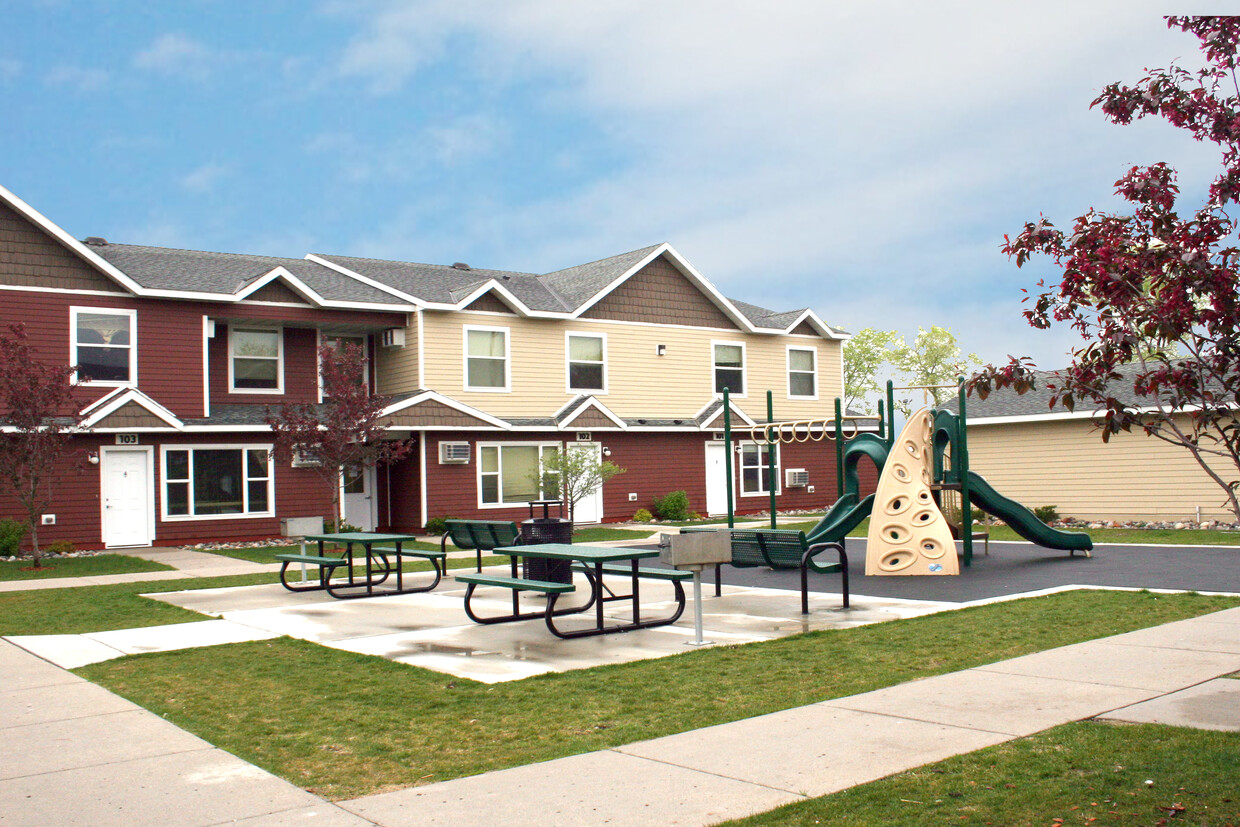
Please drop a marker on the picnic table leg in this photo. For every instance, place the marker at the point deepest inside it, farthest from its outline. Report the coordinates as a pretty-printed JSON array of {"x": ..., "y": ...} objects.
[
  {"x": 637, "y": 605},
  {"x": 516, "y": 599},
  {"x": 400, "y": 570},
  {"x": 718, "y": 579},
  {"x": 598, "y": 584}
]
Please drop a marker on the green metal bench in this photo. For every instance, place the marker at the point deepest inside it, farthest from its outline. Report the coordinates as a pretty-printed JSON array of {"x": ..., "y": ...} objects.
[
  {"x": 517, "y": 585},
  {"x": 327, "y": 565},
  {"x": 480, "y": 535},
  {"x": 438, "y": 561}
]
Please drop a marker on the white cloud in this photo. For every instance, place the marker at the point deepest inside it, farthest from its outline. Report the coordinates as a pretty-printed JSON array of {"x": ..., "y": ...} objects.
[
  {"x": 204, "y": 178},
  {"x": 176, "y": 54},
  {"x": 76, "y": 77}
]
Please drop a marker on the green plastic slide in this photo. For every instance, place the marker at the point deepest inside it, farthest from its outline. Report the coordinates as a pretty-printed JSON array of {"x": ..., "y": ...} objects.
[
  {"x": 1021, "y": 519},
  {"x": 840, "y": 519}
]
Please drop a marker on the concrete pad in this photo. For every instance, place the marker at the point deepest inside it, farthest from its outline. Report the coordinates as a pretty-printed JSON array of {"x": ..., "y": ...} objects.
[
  {"x": 203, "y": 787},
  {"x": 967, "y": 699},
  {"x": 1226, "y": 616},
  {"x": 1209, "y": 633},
  {"x": 321, "y": 815},
  {"x": 1212, "y": 705},
  {"x": 63, "y": 702},
  {"x": 67, "y": 651},
  {"x": 179, "y": 636},
  {"x": 813, "y": 750},
  {"x": 216, "y": 602},
  {"x": 20, "y": 670},
  {"x": 88, "y": 742},
  {"x": 773, "y": 613},
  {"x": 349, "y": 619},
  {"x": 596, "y": 788},
  {"x": 1100, "y": 661}
]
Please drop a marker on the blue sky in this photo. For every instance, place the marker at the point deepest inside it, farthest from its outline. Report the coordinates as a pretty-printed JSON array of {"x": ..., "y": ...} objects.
[{"x": 864, "y": 160}]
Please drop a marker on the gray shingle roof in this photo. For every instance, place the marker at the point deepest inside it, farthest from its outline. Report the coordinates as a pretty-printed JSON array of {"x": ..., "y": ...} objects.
[
  {"x": 1036, "y": 401},
  {"x": 161, "y": 268},
  {"x": 577, "y": 285}
]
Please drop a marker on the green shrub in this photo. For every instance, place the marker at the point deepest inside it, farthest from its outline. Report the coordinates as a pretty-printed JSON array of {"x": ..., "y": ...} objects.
[
  {"x": 11, "y": 534},
  {"x": 437, "y": 525},
  {"x": 642, "y": 516},
  {"x": 674, "y": 506},
  {"x": 1046, "y": 513},
  {"x": 60, "y": 547}
]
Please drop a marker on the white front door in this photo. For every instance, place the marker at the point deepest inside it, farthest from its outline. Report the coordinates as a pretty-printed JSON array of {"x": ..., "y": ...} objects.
[
  {"x": 716, "y": 478},
  {"x": 359, "y": 500},
  {"x": 125, "y": 489},
  {"x": 589, "y": 508}
]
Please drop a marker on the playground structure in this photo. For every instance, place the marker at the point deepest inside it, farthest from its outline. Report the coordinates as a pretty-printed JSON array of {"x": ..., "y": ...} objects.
[{"x": 921, "y": 471}]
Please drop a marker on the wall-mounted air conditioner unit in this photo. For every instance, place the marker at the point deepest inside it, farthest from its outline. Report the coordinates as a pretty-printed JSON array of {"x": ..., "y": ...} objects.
[
  {"x": 796, "y": 478},
  {"x": 394, "y": 337},
  {"x": 453, "y": 453}
]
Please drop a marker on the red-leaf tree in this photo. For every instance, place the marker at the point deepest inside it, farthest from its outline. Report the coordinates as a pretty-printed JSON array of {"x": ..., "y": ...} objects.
[
  {"x": 343, "y": 434},
  {"x": 1154, "y": 294},
  {"x": 39, "y": 421}
]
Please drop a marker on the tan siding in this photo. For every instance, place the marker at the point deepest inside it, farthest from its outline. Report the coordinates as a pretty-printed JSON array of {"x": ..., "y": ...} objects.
[
  {"x": 659, "y": 293},
  {"x": 396, "y": 368},
  {"x": 275, "y": 291},
  {"x": 29, "y": 257},
  {"x": 1067, "y": 465},
  {"x": 640, "y": 383}
]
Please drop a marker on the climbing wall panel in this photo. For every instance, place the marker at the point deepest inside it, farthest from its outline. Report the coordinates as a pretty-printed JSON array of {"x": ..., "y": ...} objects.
[{"x": 908, "y": 533}]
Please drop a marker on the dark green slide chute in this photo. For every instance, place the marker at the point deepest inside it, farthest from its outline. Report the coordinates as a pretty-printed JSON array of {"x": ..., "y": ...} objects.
[
  {"x": 1021, "y": 519},
  {"x": 849, "y": 510}
]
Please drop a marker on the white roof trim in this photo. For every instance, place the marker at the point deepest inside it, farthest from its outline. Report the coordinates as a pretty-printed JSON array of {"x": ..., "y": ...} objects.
[
  {"x": 378, "y": 285},
  {"x": 432, "y": 396},
  {"x": 280, "y": 272},
  {"x": 590, "y": 402},
  {"x": 115, "y": 401},
  {"x": 735, "y": 410}
]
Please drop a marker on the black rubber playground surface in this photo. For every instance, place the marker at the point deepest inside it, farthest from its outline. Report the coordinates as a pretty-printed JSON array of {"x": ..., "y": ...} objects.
[{"x": 1015, "y": 568}]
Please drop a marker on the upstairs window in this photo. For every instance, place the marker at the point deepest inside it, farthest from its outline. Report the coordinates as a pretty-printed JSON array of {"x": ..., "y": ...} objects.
[
  {"x": 729, "y": 364},
  {"x": 802, "y": 373},
  {"x": 360, "y": 342},
  {"x": 103, "y": 345},
  {"x": 486, "y": 359},
  {"x": 587, "y": 363},
  {"x": 256, "y": 360}
]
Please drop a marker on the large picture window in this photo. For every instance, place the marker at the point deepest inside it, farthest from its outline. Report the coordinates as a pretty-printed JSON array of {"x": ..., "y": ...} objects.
[
  {"x": 513, "y": 474},
  {"x": 587, "y": 363},
  {"x": 256, "y": 363},
  {"x": 103, "y": 345},
  {"x": 218, "y": 482},
  {"x": 755, "y": 475},
  {"x": 729, "y": 365},
  {"x": 802, "y": 373},
  {"x": 486, "y": 359}
]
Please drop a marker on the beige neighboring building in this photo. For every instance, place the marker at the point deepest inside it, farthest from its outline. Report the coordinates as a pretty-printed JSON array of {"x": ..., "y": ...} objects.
[{"x": 1038, "y": 457}]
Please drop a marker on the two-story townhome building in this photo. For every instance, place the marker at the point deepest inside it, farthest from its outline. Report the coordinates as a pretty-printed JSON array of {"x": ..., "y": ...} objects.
[{"x": 182, "y": 354}]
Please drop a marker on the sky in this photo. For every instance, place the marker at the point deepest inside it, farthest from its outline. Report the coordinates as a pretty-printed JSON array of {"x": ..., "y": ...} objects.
[{"x": 861, "y": 159}]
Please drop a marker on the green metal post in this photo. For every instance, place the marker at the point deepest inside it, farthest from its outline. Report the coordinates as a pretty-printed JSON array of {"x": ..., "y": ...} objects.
[
  {"x": 839, "y": 448},
  {"x": 727, "y": 455},
  {"x": 960, "y": 463},
  {"x": 771, "y": 442},
  {"x": 882, "y": 421},
  {"x": 891, "y": 413}
]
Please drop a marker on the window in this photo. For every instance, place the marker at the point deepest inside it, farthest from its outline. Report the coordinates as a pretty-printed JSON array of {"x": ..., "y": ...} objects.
[
  {"x": 486, "y": 358},
  {"x": 218, "y": 482},
  {"x": 103, "y": 345},
  {"x": 755, "y": 475},
  {"x": 803, "y": 372},
  {"x": 729, "y": 368},
  {"x": 360, "y": 342},
  {"x": 587, "y": 362},
  {"x": 513, "y": 475},
  {"x": 256, "y": 363}
]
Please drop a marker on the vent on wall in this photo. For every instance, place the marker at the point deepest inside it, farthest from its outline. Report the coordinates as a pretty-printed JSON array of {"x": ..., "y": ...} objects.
[
  {"x": 796, "y": 478},
  {"x": 453, "y": 453}
]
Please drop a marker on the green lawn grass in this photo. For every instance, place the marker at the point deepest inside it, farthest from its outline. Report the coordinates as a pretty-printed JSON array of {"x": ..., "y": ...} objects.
[
  {"x": 77, "y": 567},
  {"x": 1077, "y": 774},
  {"x": 343, "y": 724},
  {"x": 603, "y": 534}
]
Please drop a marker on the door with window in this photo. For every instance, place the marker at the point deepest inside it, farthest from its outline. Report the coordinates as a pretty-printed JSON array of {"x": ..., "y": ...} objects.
[
  {"x": 125, "y": 492},
  {"x": 359, "y": 500}
]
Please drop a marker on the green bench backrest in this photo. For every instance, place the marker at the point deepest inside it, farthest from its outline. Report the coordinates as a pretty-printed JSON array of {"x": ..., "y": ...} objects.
[
  {"x": 482, "y": 534},
  {"x": 777, "y": 548}
]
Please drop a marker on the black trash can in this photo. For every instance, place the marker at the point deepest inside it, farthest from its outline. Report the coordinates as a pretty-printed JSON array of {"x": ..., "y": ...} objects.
[{"x": 547, "y": 529}]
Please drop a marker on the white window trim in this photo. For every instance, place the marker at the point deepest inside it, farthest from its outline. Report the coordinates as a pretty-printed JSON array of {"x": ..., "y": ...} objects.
[
  {"x": 744, "y": 368},
  {"x": 279, "y": 388},
  {"x": 740, "y": 472},
  {"x": 74, "y": 311},
  {"x": 322, "y": 338},
  {"x": 501, "y": 445},
  {"x": 163, "y": 482},
  {"x": 465, "y": 331},
  {"x": 581, "y": 334},
  {"x": 814, "y": 374}
]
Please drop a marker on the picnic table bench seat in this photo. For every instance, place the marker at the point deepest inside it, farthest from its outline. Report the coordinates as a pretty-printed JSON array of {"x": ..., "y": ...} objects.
[
  {"x": 517, "y": 585},
  {"x": 480, "y": 535},
  {"x": 327, "y": 565},
  {"x": 622, "y": 570}
]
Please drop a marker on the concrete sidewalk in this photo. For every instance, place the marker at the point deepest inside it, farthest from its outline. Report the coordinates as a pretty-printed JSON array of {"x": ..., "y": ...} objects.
[
  {"x": 185, "y": 563},
  {"x": 76, "y": 754}
]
